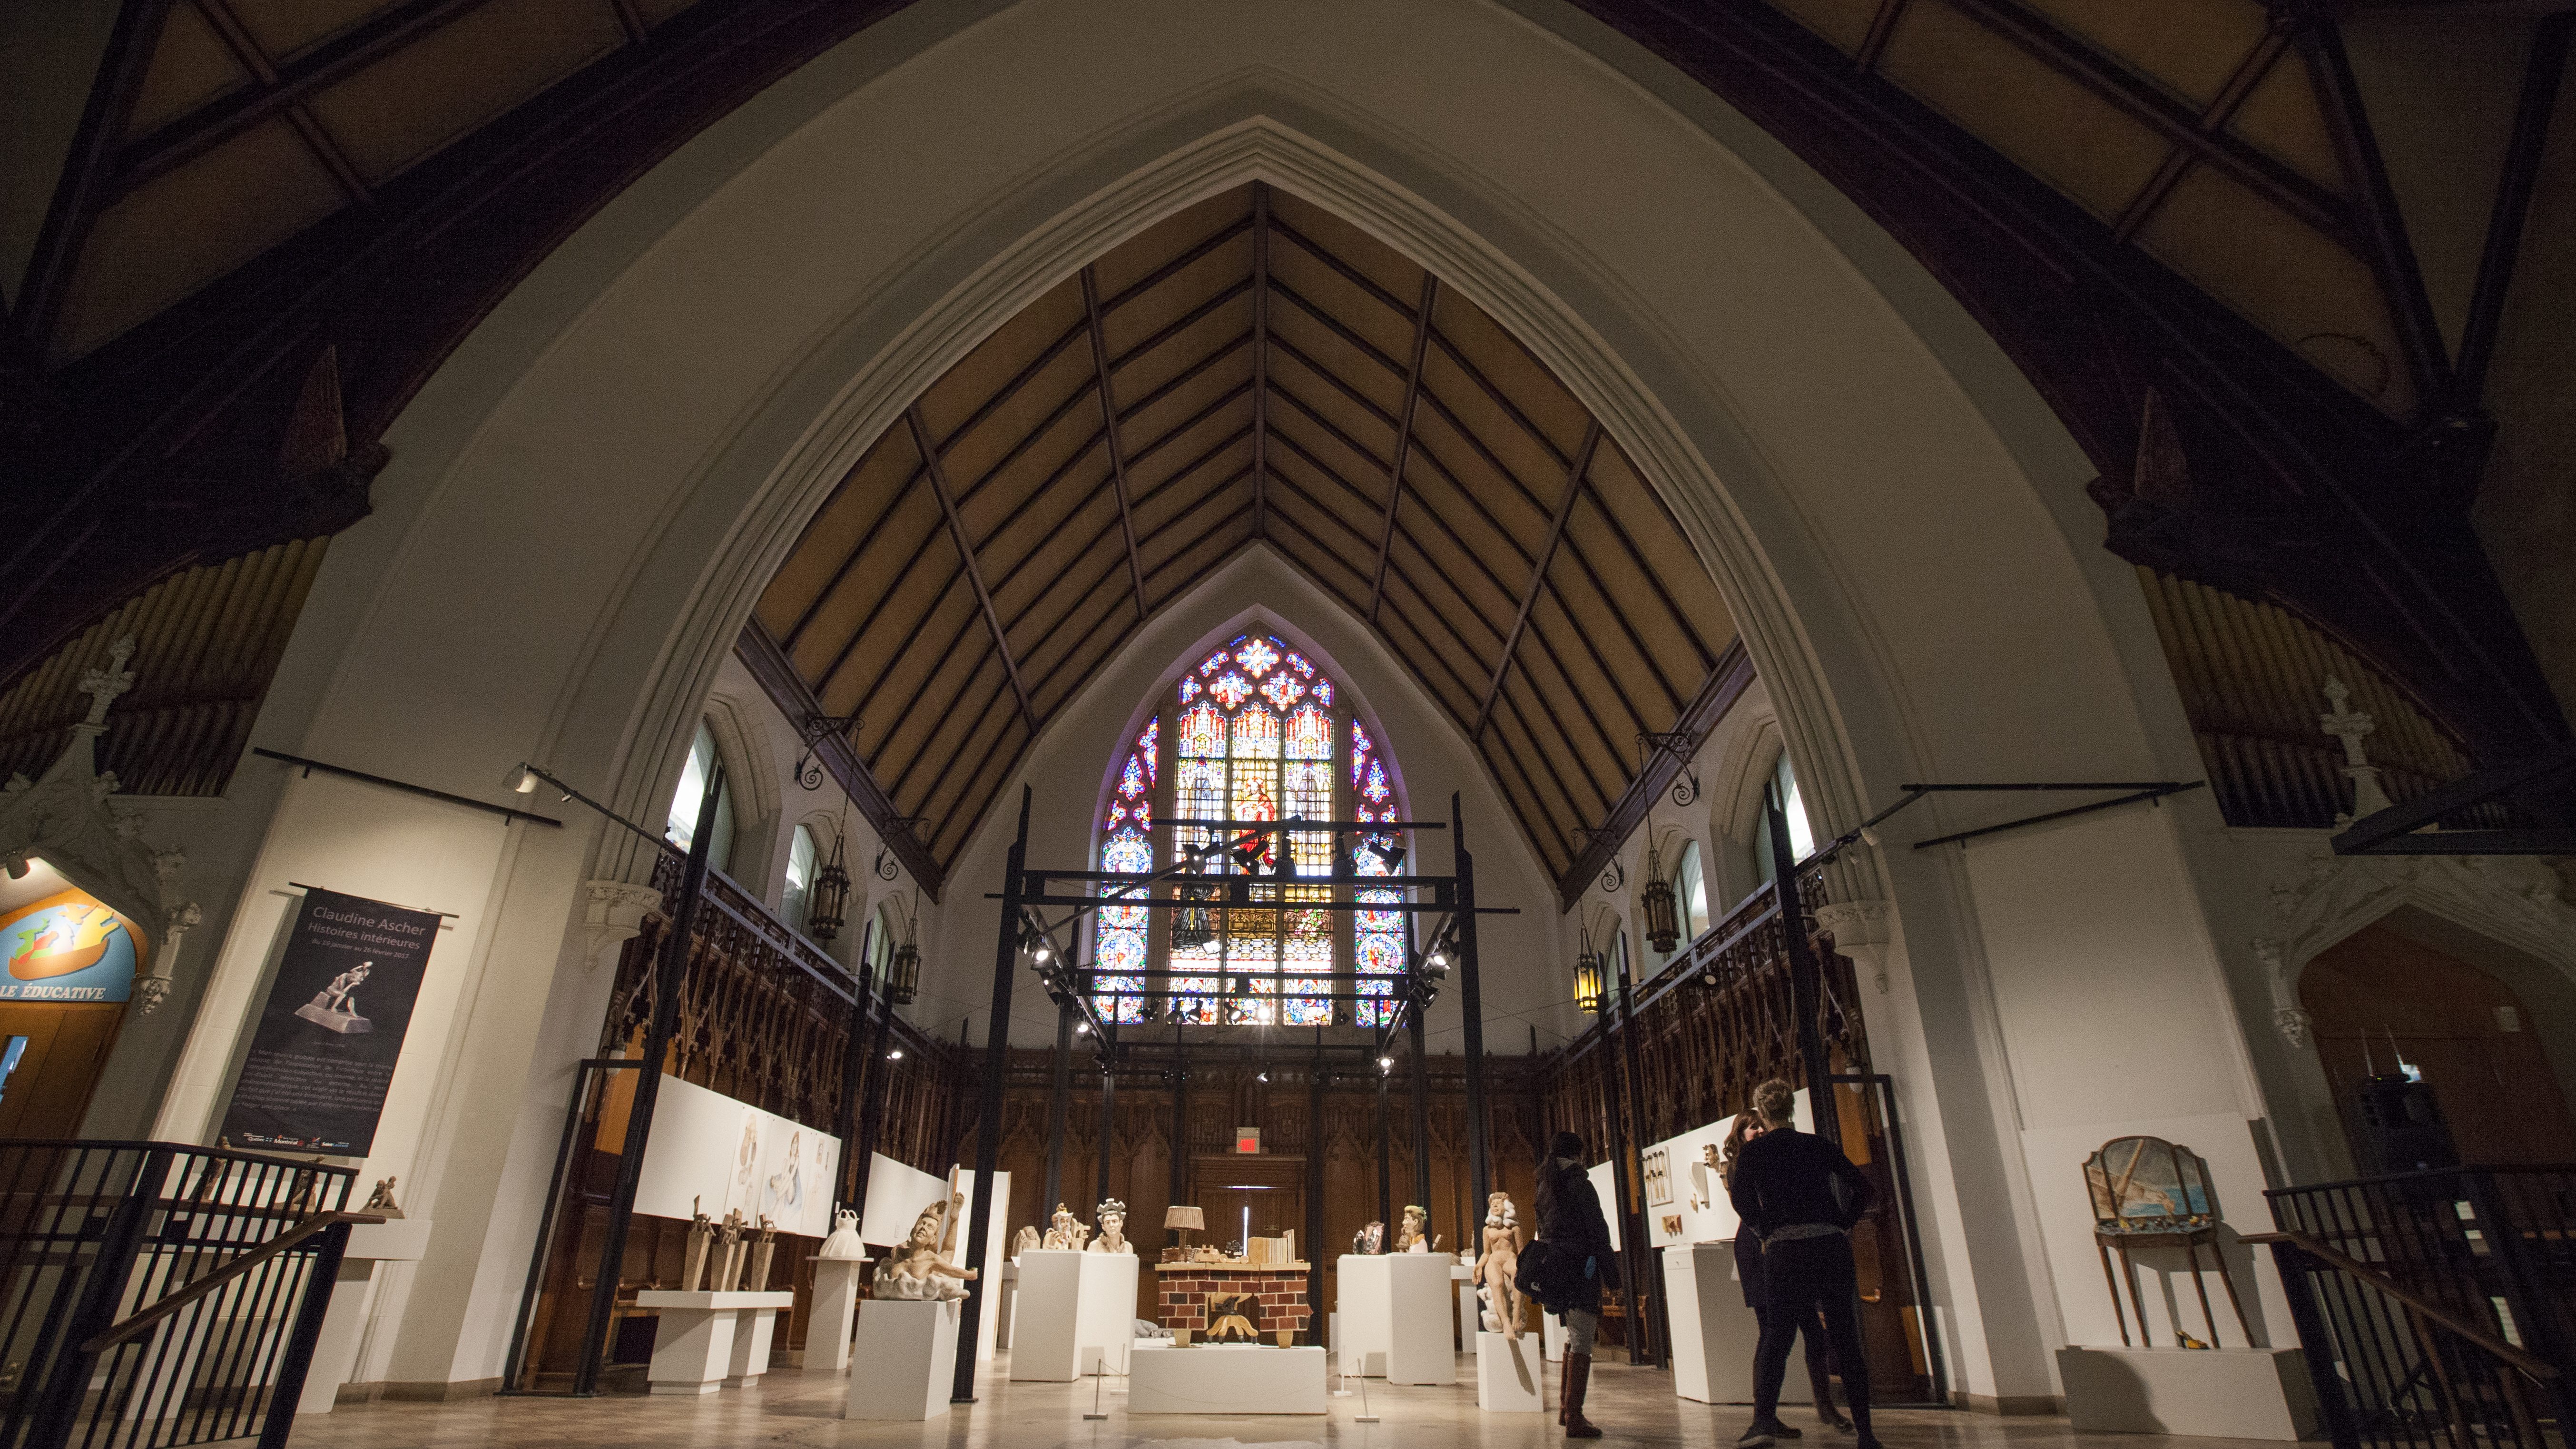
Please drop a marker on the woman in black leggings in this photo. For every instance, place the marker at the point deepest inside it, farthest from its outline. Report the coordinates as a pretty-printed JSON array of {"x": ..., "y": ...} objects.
[
  {"x": 1800, "y": 1196},
  {"x": 1748, "y": 1271}
]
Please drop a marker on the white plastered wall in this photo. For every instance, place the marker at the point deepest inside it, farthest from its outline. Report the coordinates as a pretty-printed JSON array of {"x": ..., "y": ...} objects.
[{"x": 584, "y": 501}]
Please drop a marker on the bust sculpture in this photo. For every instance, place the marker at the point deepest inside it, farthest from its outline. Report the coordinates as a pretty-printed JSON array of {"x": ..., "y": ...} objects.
[
  {"x": 916, "y": 1271},
  {"x": 1113, "y": 1228},
  {"x": 1065, "y": 1231},
  {"x": 1410, "y": 1238}
]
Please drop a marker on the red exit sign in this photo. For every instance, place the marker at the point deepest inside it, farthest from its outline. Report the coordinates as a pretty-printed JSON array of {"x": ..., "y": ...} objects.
[{"x": 1247, "y": 1139}]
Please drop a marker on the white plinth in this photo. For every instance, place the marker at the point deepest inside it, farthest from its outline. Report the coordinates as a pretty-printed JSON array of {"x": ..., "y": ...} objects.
[
  {"x": 710, "y": 1340},
  {"x": 1395, "y": 1317},
  {"x": 1076, "y": 1310},
  {"x": 1551, "y": 1336},
  {"x": 1508, "y": 1374},
  {"x": 905, "y": 1362},
  {"x": 834, "y": 1315},
  {"x": 1219, "y": 1378},
  {"x": 1007, "y": 1322},
  {"x": 2236, "y": 1393},
  {"x": 1714, "y": 1330},
  {"x": 353, "y": 1298}
]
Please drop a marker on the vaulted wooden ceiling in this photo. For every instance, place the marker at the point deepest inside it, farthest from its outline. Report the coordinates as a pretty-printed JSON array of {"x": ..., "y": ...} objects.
[{"x": 1253, "y": 370}]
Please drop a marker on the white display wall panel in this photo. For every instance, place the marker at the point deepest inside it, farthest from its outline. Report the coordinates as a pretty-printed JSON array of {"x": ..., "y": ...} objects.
[
  {"x": 1509, "y": 1375},
  {"x": 1396, "y": 1317},
  {"x": 904, "y": 1363},
  {"x": 1714, "y": 1330},
  {"x": 1075, "y": 1310},
  {"x": 1225, "y": 1378},
  {"x": 2234, "y": 1393},
  {"x": 710, "y": 1153}
]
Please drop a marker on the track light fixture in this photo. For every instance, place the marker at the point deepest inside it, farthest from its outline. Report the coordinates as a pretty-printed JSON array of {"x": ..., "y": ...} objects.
[
  {"x": 522, "y": 781},
  {"x": 1386, "y": 1064},
  {"x": 896, "y": 1055}
]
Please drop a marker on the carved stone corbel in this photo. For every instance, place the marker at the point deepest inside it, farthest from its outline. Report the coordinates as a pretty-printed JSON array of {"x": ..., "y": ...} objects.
[
  {"x": 1861, "y": 931},
  {"x": 613, "y": 914}
]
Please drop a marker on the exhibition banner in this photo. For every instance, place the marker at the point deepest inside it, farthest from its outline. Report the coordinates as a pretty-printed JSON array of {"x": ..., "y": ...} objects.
[{"x": 332, "y": 1029}]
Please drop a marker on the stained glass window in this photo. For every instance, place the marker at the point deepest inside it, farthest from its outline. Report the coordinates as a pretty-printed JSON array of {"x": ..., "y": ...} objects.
[{"x": 1257, "y": 736}]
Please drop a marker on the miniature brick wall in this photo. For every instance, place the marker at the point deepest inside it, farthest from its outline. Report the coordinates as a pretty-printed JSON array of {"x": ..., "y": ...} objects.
[{"x": 1184, "y": 1298}]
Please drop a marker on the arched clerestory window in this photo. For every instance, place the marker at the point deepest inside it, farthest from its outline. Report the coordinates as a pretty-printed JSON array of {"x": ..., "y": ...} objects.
[{"x": 1257, "y": 732}]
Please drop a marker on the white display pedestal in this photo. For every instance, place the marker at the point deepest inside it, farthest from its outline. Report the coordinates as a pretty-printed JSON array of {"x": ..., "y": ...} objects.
[
  {"x": 1007, "y": 1323},
  {"x": 710, "y": 1340},
  {"x": 905, "y": 1362},
  {"x": 1714, "y": 1330},
  {"x": 353, "y": 1297},
  {"x": 1551, "y": 1336},
  {"x": 1220, "y": 1378},
  {"x": 1081, "y": 1312},
  {"x": 2235, "y": 1393},
  {"x": 1395, "y": 1317},
  {"x": 835, "y": 1314},
  {"x": 1508, "y": 1373}
]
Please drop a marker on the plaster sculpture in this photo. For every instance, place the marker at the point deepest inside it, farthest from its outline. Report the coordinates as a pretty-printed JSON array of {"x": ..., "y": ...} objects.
[
  {"x": 844, "y": 1242},
  {"x": 1064, "y": 1231},
  {"x": 381, "y": 1201},
  {"x": 1026, "y": 1241},
  {"x": 693, "y": 1267},
  {"x": 1113, "y": 1228},
  {"x": 1410, "y": 1238},
  {"x": 1497, "y": 1293},
  {"x": 755, "y": 1279},
  {"x": 916, "y": 1271},
  {"x": 729, "y": 1244}
]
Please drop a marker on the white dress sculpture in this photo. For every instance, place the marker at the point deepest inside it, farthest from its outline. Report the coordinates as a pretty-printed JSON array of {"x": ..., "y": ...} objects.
[{"x": 844, "y": 1242}]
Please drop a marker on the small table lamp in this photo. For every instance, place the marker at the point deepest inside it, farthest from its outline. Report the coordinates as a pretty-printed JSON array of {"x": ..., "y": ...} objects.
[{"x": 1184, "y": 1219}]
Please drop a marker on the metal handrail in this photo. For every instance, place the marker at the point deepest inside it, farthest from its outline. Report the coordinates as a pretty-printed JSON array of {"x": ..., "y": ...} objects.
[
  {"x": 197, "y": 1288},
  {"x": 2308, "y": 1243}
]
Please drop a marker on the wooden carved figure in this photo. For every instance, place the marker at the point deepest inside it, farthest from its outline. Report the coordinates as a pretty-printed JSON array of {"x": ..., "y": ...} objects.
[{"x": 1497, "y": 1271}]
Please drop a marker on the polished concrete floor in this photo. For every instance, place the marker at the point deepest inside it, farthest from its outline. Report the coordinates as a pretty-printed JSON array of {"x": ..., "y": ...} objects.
[{"x": 1635, "y": 1406}]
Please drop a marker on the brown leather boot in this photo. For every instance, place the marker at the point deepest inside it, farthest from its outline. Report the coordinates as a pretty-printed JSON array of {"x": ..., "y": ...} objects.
[{"x": 1578, "y": 1377}]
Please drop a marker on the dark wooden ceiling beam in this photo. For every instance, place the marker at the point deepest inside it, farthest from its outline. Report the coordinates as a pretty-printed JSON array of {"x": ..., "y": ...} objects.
[
  {"x": 1404, "y": 432},
  {"x": 1109, "y": 427},
  {"x": 966, "y": 550},
  {"x": 1178, "y": 325},
  {"x": 254, "y": 58},
  {"x": 1493, "y": 390},
  {"x": 88, "y": 178},
  {"x": 2114, "y": 84},
  {"x": 2382, "y": 239},
  {"x": 795, "y": 699},
  {"x": 1882, "y": 29},
  {"x": 2542, "y": 71},
  {"x": 1109, "y": 305},
  {"x": 2213, "y": 120},
  {"x": 1027, "y": 374},
  {"x": 1260, "y": 358},
  {"x": 914, "y": 696},
  {"x": 1343, "y": 269},
  {"x": 897, "y": 587},
  {"x": 1337, "y": 327},
  {"x": 334, "y": 60},
  {"x": 1183, "y": 378},
  {"x": 1182, "y": 429},
  {"x": 850, "y": 560},
  {"x": 1725, "y": 685},
  {"x": 1330, "y": 377},
  {"x": 1538, "y": 572},
  {"x": 1334, "y": 431}
]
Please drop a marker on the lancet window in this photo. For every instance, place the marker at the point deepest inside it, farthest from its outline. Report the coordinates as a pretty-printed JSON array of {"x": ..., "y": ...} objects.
[{"x": 1258, "y": 732}]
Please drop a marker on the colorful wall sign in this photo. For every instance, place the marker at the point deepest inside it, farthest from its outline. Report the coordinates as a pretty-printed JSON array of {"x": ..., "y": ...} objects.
[{"x": 67, "y": 947}]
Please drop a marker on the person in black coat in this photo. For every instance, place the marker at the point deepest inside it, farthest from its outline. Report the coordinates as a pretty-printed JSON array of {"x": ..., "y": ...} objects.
[
  {"x": 1748, "y": 1272},
  {"x": 1801, "y": 1196},
  {"x": 1576, "y": 1252}
]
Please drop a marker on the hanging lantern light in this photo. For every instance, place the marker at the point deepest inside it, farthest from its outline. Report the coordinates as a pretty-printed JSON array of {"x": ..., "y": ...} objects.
[
  {"x": 827, "y": 902},
  {"x": 1588, "y": 984},
  {"x": 1193, "y": 926},
  {"x": 1662, "y": 931},
  {"x": 903, "y": 972}
]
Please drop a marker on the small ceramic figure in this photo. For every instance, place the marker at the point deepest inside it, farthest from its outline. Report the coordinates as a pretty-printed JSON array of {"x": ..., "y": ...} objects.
[
  {"x": 1113, "y": 1228},
  {"x": 1026, "y": 1241},
  {"x": 730, "y": 1245},
  {"x": 693, "y": 1269},
  {"x": 381, "y": 1201},
  {"x": 844, "y": 1242},
  {"x": 1496, "y": 1272},
  {"x": 755, "y": 1279},
  {"x": 916, "y": 1271}
]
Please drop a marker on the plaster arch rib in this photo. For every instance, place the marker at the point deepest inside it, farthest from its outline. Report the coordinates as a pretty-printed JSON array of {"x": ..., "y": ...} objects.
[{"x": 600, "y": 482}]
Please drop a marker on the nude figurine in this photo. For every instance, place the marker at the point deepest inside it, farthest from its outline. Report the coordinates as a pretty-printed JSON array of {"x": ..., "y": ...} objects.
[{"x": 1497, "y": 1272}]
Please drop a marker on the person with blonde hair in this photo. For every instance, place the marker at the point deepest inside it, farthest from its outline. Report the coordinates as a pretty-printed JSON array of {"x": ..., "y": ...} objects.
[{"x": 1800, "y": 1196}]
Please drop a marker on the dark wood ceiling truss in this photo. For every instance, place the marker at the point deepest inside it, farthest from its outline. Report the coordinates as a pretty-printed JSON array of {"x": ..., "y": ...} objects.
[{"x": 1404, "y": 433}]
